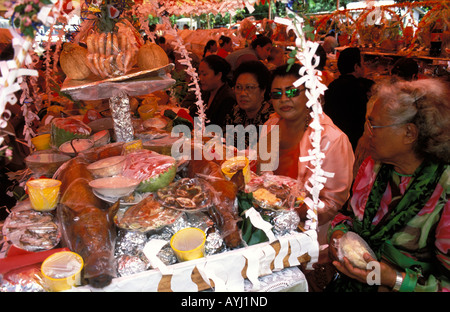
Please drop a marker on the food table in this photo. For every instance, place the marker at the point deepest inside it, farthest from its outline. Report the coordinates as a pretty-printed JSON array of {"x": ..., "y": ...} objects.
[
  {"x": 240, "y": 268},
  {"x": 224, "y": 271},
  {"x": 94, "y": 218},
  {"x": 236, "y": 270}
]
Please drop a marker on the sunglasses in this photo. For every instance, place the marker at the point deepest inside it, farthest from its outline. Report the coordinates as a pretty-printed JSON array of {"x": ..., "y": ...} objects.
[{"x": 290, "y": 93}]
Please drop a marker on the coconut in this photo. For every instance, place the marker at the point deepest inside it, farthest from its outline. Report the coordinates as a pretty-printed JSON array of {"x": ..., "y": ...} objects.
[
  {"x": 73, "y": 61},
  {"x": 151, "y": 56}
]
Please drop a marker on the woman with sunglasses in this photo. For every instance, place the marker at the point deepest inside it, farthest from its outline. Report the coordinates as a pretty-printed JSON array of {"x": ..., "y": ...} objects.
[
  {"x": 251, "y": 84},
  {"x": 293, "y": 118},
  {"x": 399, "y": 202}
]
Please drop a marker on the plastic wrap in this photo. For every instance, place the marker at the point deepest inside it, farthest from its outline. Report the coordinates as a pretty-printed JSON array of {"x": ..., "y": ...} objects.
[
  {"x": 112, "y": 53},
  {"x": 274, "y": 192},
  {"x": 135, "y": 83},
  {"x": 145, "y": 216},
  {"x": 32, "y": 230},
  {"x": 27, "y": 279},
  {"x": 87, "y": 226},
  {"x": 62, "y": 265},
  {"x": 224, "y": 210},
  {"x": 353, "y": 247},
  {"x": 186, "y": 195}
]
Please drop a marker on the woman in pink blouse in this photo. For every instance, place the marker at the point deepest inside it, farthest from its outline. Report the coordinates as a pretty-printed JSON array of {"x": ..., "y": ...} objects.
[{"x": 292, "y": 116}]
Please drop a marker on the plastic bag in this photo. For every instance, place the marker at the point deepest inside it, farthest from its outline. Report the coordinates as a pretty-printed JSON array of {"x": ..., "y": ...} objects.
[
  {"x": 274, "y": 192},
  {"x": 87, "y": 228},
  {"x": 112, "y": 53},
  {"x": 32, "y": 230},
  {"x": 224, "y": 211},
  {"x": 353, "y": 247}
]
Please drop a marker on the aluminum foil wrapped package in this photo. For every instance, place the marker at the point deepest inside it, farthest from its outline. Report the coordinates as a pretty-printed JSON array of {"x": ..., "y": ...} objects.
[
  {"x": 285, "y": 222},
  {"x": 194, "y": 219},
  {"x": 121, "y": 115},
  {"x": 129, "y": 243},
  {"x": 166, "y": 254},
  {"x": 129, "y": 265},
  {"x": 23, "y": 280},
  {"x": 214, "y": 243}
]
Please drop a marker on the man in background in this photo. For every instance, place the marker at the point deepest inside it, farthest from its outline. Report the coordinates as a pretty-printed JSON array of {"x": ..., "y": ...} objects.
[{"x": 346, "y": 97}]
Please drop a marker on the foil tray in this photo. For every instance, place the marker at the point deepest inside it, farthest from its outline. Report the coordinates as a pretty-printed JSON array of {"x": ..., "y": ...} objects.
[{"x": 136, "y": 82}]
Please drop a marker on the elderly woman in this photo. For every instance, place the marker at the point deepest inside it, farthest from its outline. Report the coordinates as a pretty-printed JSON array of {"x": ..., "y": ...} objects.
[
  {"x": 293, "y": 118},
  {"x": 399, "y": 203},
  {"x": 251, "y": 84}
]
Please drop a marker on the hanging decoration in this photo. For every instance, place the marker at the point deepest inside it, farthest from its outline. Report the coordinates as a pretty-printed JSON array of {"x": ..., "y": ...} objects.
[
  {"x": 190, "y": 70},
  {"x": 310, "y": 77},
  {"x": 385, "y": 23},
  {"x": 26, "y": 16}
]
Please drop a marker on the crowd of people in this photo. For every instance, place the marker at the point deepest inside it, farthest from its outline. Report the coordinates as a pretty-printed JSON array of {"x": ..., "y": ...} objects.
[{"x": 387, "y": 144}]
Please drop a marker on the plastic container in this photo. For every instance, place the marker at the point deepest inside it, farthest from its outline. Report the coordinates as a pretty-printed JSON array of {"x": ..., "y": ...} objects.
[
  {"x": 231, "y": 166},
  {"x": 147, "y": 111},
  {"x": 43, "y": 193},
  {"x": 62, "y": 270},
  {"x": 132, "y": 146},
  {"x": 188, "y": 244},
  {"x": 41, "y": 142}
]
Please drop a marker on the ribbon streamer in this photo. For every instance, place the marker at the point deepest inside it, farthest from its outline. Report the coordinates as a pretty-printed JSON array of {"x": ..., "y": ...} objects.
[
  {"x": 151, "y": 250},
  {"x": 258, "y": 222}
]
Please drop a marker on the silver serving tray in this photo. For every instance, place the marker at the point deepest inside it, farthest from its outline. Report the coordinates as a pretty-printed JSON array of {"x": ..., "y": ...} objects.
[{"x": 95, "y": 88}]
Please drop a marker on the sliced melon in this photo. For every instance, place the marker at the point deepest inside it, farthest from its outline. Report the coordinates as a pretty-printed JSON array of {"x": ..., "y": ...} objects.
[
  {"x": 152, "y": 169},
  {"x": 66, "y": 129},
  {"x": 101, "y": 138}
]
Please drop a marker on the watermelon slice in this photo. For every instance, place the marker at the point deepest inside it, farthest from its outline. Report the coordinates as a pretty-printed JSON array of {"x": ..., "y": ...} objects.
[
  {"x": 152, "y": 169},
  {"x": 66, "y": 129}
]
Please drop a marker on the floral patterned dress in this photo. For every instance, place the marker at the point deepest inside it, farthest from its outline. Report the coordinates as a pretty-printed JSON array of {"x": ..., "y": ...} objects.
[
  {"x": 418, "y": 244},
  {"x": 239, "y": 117}
]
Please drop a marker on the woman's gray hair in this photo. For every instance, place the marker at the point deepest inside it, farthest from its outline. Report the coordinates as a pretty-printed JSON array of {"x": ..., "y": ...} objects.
[{"x": 425, "y": 103}]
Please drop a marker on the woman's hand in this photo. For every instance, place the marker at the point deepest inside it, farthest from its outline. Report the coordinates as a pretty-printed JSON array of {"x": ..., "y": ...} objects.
[
  {"x": 387, "y": 273},
  {"x": 332, "y": 250}
]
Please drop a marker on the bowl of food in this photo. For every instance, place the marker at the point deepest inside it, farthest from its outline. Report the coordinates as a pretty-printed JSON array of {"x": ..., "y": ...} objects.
[
  {"x": 107, "y": 167},
  {"x": 45, "y": 163},
  {"x": 101, "y": 137},
  {"x": 75, "y": 146},
  {"x": 115, "y": 187},
  {"x": 101, "y": 124}
]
